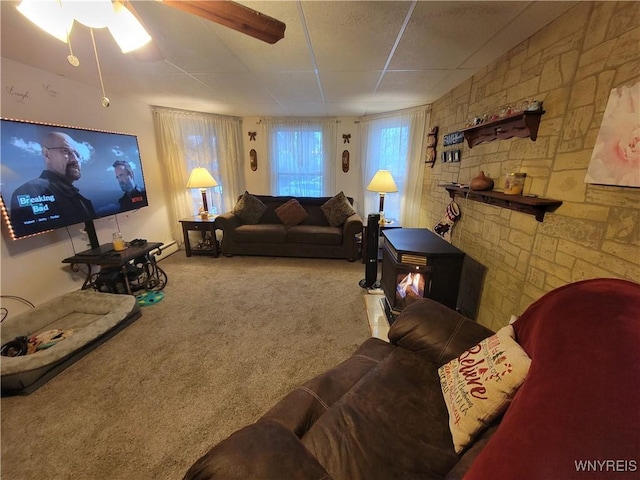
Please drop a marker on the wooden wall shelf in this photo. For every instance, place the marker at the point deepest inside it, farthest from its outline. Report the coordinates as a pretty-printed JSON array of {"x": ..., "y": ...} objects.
[
  {"x": 523, "y": 125},
  {"x": 535, "y": 206}
]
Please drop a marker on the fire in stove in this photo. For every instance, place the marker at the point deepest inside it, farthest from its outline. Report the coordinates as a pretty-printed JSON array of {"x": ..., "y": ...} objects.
[
  {"x": 410, "y": 288},
  {"x": 410, "y": 285}
]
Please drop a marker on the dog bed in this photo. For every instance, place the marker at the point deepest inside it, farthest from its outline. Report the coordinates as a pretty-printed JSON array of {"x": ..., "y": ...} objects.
[{"x": 88, "y": 317}]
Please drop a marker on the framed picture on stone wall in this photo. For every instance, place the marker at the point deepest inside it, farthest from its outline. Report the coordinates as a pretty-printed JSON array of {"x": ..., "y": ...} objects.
[{"x": 615, "y": 159}]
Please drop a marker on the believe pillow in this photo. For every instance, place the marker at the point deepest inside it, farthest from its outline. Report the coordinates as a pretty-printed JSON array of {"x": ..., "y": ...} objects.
[
  {"x": 291, "y": 213},
  {"x": 337, "y": 210},
  {"x": 249, "y": 208},
  {"x": 479, "y": 384}
]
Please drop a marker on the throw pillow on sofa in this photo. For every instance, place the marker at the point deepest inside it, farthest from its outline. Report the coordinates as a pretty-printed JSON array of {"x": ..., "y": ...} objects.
[
  {"x": 249, "y": 208},
  {"x": 337, "y": 210},
  {"x": 291, "y": 213},
  {"x": 479, "y": 384}
]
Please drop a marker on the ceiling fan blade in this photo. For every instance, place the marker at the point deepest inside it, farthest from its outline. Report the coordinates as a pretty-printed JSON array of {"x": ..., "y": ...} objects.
[{"x": 235, "y": 16}]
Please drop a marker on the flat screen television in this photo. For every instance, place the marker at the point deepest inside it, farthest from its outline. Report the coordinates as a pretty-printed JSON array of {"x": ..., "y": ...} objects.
[{"x": 54, "y": 176}]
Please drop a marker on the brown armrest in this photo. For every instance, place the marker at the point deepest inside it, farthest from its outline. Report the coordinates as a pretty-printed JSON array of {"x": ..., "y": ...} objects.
[
  {"x": 429, "y": 326},
  {"x": 352, "y": 225},
  {"x": 262, "y": 451},
  {"x": 227, "y": 221}
]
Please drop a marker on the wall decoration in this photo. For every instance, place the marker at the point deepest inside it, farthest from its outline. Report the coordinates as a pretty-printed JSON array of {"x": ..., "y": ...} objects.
[
  {"x": 345, "y": 161},
  {"x": 453, "y": 139},
  {"x": 253, "y": 160},
  {"x": 49, "y": 91},
  {"x": 615, "y": 159},
  {"x": 346, "y": 138},
  {"x": 443, "y": 157},
  {"x": 21, "y": 96},
  {"x": 252, "y": 136},
  {"x": 432, "y": 141},
  {"x": 456, "y": 155}
]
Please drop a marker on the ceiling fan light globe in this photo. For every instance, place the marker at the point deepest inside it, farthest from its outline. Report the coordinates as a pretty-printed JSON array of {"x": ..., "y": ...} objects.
[
  {"x": 49, "y": 16},
  {"x": 127, "y": 30}
]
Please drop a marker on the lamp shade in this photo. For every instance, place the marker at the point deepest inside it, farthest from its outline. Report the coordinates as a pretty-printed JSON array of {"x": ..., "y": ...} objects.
[
  {"x": 382, "y": 182},
  {"x": 201, "y": 178}
]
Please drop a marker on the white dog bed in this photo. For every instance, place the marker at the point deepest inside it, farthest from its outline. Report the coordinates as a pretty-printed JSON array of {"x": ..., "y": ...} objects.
[{"x": 91, "y": 318}]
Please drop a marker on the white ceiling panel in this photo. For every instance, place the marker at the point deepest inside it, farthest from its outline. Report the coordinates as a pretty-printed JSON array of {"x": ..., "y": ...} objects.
[
  {"x": 291, "y": 87},
  {"x": 348, "y": 36},
  {"x": 338, "y": 58},
  {"x": 343, "y": 86}
]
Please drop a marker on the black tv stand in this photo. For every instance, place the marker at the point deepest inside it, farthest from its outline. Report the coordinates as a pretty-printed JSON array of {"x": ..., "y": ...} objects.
[
  {"x": 105, "y": 249},
  {"x": 135, "y": 267}
]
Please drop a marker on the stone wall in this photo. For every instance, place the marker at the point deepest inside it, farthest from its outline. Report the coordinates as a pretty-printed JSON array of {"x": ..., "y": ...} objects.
[{"x": 571, "y": 65}]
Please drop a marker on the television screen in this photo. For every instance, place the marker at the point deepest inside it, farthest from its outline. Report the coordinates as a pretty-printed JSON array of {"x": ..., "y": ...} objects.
[{"x": 53, "y": 176}]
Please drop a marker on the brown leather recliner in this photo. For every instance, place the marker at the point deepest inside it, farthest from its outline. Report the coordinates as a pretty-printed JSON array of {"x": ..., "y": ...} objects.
[{"x": 378, "y": 415}]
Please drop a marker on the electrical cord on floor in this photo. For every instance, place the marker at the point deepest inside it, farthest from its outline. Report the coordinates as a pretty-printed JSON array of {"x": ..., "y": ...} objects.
[{"x": 4, "y": 312}]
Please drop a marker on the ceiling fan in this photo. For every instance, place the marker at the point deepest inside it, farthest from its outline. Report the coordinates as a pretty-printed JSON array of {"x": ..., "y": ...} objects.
[
  {"x": 119, "y": 16},
  {"x": 57, "y": 17}
]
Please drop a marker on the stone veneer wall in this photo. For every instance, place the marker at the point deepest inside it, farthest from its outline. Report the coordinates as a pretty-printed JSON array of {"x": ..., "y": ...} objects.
[{"x": 572, "y": 65}]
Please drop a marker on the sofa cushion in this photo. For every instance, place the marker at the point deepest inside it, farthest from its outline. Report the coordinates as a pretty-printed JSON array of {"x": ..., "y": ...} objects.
[
  {"x": 390, "y": 425},
  {"x": 261, "y": 233},
  {"x": 580, "y": 399},
  {"x": 479, "y": 384},
  {"x": 314, "y": 235},
  {"x": 249, "y": 208},
  {"x": 337, "y": 210},
  {"x": 291, "y": 213}
]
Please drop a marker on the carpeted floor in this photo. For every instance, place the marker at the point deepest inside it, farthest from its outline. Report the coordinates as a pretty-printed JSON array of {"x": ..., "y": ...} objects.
[{"x": 231, "y": 337}]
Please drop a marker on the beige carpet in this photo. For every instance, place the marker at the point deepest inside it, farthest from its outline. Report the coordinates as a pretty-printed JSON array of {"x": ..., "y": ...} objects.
[{"x": 231, "y": 337}]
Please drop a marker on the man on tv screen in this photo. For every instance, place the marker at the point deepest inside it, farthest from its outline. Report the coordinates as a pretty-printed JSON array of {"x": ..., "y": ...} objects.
[
  {"x": 51, "y": 200},
  {"x": 134, "y": 196}
]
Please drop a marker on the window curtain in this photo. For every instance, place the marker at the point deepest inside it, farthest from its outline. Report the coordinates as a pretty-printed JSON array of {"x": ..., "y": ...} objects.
[
  {"x": 301, "y": 162},
  {"x": 186, "y": 140},
  {"x": 395, "y": 142}
]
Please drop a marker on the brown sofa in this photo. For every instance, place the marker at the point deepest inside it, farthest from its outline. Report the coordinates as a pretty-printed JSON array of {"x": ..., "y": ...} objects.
[
  {"x": 313, "y": 237},
  {"x": 381, "y": 413}
]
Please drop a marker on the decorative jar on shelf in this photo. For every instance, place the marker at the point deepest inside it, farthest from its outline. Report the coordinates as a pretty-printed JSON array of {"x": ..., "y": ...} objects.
[
  {"x": 514, "y": 183},
  {"x": 481, "y": 183}
]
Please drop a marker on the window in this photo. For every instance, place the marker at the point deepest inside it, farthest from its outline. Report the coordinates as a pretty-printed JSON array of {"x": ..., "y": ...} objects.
[
  {"x": 300, "y": 154},
  {"x": 299, "y": 163},
  {"x": 394, "y": 142},
  {"x": 387, "y": 150},
  {"x": 195, "y": 147}
]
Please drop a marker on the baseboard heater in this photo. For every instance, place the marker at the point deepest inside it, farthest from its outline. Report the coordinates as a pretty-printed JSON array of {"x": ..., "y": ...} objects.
[{"x": 162, "y": 252}]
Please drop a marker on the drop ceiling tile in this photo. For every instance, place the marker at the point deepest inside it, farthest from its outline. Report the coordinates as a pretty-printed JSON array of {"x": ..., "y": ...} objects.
[
  {"x": 344, "y": 86},
  {"x": 295, "y": 87},
  {"x": 444, "y": 34},
  {"x": 348, "y": 36},
  {"x": 409, "y": 86}
]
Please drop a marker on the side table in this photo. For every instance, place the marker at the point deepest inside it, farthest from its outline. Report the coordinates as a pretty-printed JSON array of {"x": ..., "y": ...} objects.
[{"x": 206, "y": 226}]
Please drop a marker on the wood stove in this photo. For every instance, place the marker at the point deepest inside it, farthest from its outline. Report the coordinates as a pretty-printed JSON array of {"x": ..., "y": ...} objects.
[{"x": 417, "y": 263}]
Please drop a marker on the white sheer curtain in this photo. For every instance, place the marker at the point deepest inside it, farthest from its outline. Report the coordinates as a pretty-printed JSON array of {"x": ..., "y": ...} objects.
[
  {"x": 395, "y": 142},
  {"x": 186, "y": 140},
  {"x": 301, "y": 154}
]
